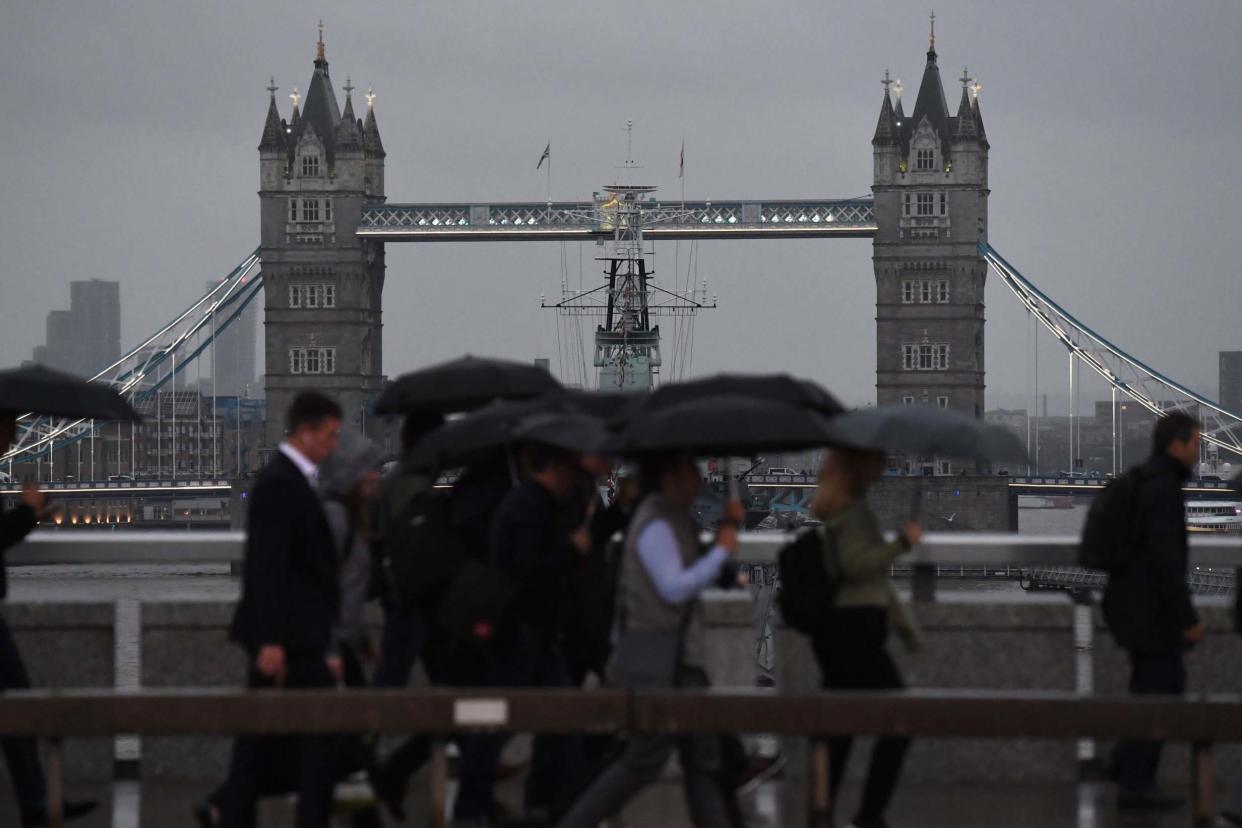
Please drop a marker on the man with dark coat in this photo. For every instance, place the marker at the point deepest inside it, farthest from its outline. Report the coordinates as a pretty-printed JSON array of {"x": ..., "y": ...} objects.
[
  {"x": 1147, "y": 603},
  {"x": 289, "y": 603},
  {"x": 21, "y": 754}
]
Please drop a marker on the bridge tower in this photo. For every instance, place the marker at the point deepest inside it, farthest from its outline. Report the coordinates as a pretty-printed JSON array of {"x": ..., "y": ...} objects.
[
  {"x": 322, "y": 284},
  {"x": 931, "y": 210}
]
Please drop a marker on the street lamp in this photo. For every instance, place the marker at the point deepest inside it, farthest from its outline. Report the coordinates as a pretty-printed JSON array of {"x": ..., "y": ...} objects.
[{"x": 1121, "y": 449}]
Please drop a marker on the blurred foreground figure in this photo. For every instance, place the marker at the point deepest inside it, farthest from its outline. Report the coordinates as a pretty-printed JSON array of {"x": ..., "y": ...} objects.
[
  {"x": 289, "y": 607},
  {"x": 22, "y": 754}
]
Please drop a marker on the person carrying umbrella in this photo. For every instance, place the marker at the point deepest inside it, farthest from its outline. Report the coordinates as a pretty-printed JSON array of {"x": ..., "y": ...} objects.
[
  {"x": 851, "y": 649},
  {"x": 42, "y": 391}
]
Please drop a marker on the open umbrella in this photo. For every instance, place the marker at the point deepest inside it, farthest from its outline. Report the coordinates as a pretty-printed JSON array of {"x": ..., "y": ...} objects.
[
  {"x": 722, "y": 425},
  {"x": 41, "y": 390},
  {"x": 463, "y": 385},
  {"x": 926, "y": 431},
  {"x": 778, "y": 388}
]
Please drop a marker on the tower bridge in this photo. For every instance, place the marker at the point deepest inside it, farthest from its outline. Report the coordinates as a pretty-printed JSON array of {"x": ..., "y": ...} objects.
[{"x": 325, "y": 221}]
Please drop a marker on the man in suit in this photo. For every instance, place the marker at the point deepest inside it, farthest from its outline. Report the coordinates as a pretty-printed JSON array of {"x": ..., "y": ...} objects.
[
  {"x": 289, "y": 603},
  {"x": 22, "y": 754}
]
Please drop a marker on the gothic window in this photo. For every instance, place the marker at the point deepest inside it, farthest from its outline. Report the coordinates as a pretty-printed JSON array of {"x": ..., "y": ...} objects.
[
  {"x": 926, "y": 203},
  {"x": 329, "y": 296},
  {"x": 905, "y": 204},
  {"x": 312, "y": 361},
  {"x": 295, "y": 296},
  {"x": 925, "y": 357},
  {"x": 312, "y": 295},
  {"x": 327, "y": 209},
  {"x": 925, "y": 159},
  {"x": 907, "y": 292},
  {"x": 941, "y": 357},
  {"x": 328, "y": 358},
  {"x": 942, "y": 291},
  {"x": 293, "y": 209},
  {"x": 310, "y": 165},
  {"x": 296, "y": 357},
  {"x": 944, "y": 204},
  {"x": 310, "y": 209},
  {"x": 925, "y": 295},
  {"x": 907, "y": 357}
]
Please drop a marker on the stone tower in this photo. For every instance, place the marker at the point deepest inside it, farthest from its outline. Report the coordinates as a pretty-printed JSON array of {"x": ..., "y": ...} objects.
[
  {"x": 931, "y": 208},
  {"x": 322, "y": 285}
]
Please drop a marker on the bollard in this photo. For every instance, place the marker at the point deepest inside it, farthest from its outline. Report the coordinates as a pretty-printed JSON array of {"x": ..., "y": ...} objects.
[
  {"x": 55, "y": 782},
  {"x": 1203, "y": 783},
  {"x": 819, "y": 785}
]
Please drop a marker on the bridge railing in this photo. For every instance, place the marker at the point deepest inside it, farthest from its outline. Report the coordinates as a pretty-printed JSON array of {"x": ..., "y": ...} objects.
[{"x": 1200, "y": 720}]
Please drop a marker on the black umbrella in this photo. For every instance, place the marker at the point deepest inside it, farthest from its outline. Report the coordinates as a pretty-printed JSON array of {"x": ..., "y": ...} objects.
[
  {"x": 722, "y": 425},
  {"x": 463, "y": 385},
  {"x": 926, "y": 431},
  {"x": 40, "y": 390},
  {"x": 778, "y": 388},
  {"x": 481, "y": 433}
]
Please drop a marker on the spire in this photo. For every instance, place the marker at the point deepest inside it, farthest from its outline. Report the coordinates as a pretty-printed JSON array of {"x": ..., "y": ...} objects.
[
  {"x": 370, "y": 130},
  {"x": 964, "y": 126},
  {"x": 931, "y": 48},
  {"x": 975, "y": 89},
  {"x": 930, "y": 102},
  {"x": 347, "y": 135},
  {"x": 886, "y": 132},
  {"x": 273, "y": 129},
  {"x": 319, "y": 47},
  {"x": 321, "y": 108}
]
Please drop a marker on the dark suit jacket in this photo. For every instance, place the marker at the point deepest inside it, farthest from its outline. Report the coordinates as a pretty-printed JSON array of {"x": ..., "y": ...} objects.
[
  {"x": 1147, "y": 604},
  {"x": 15, "y": 524},
  {"x": 290, "y": 589}
]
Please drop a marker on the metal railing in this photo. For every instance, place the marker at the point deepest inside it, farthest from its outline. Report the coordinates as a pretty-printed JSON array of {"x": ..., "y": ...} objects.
[{"x": 1200, "y": 720}]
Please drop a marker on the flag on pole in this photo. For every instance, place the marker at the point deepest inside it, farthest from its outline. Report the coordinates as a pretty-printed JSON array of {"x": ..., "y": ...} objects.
[
  {"x": 681, "y": 166},
  {"x": 547, "y": 155}
]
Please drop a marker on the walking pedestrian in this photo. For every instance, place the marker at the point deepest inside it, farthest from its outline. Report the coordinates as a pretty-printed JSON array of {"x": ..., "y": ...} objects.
[
  {"x": 1147, "y": 602},
  {"x": 289, "y": 606},
  {"x": 531, "y": 545},
  {"x": 851, "y": 649},
  {"x": 21, "y": 754},
  {"x": 661, "y": 644}
]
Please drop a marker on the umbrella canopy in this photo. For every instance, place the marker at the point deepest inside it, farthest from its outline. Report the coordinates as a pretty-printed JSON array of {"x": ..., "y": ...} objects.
[
  {"x": 778, "y": 388},
  {"x": 43, "y": 391},
  {"x": 926, "y": 431},
  {"x": 463, "y": 385},
  {"x": 722, "y": 425},
  {"x": 480, "y": 433}
]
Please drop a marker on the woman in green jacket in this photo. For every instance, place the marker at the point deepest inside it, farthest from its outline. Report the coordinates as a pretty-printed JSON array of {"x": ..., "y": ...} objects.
[{"x": 851, "y": 653}]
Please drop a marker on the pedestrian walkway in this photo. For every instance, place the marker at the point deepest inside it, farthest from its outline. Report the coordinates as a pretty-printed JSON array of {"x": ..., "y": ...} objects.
[{"x": 775, "y": 805}]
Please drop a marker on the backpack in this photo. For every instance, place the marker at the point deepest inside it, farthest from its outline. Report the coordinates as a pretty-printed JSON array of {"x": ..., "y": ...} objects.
[
  {"x": 421, "y": 550},
  {"x": 1108, "y": 536},
  {"x": 808, "y": 589}
]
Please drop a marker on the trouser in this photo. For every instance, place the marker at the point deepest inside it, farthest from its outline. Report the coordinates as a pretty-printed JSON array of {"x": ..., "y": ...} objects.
[
  {"x": 402, "y": 641},
  {"x": 640, "y": 766},
  {"x": 524, "y": 657},
  {"x": 21, "y": 754},
  {"x": 852, "y": 656},
  {"x": 254, "y": 757},
  {"x": 1150, "y": 674}
]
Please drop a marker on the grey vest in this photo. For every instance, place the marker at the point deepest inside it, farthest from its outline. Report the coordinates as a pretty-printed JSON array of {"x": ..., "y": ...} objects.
[{"x": 641, "y": 607}]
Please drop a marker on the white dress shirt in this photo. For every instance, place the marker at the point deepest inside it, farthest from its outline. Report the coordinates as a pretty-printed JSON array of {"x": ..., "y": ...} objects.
[{"x": 308, "y": 469}]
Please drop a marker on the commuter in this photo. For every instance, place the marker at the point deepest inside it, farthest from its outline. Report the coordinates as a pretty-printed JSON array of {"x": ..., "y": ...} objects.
[
  {"x": 22, "y": 754},
  {"x": 531, "y": 545},
  {"x": 289, "y": 606},
  {"x": 1147, "y": 602},
  {"x": 660, "y": 621},
  {"x": 404, "y": 637},
  {"x": 851, "y": 650}
]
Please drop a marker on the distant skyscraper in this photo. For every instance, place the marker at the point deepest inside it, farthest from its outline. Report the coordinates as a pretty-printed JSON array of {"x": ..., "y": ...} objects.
[
  {"x": 86, "y": 338},
  {"x": 235, "y": 357},
  {"x": 1231, "y": 381}
]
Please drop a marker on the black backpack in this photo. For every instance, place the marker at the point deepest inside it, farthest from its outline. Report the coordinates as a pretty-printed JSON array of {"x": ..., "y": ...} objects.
[
  {"x": 421, "y": 550},
  {"x": 808, "y": 588},
  {"x": 1109, "y": 535}
]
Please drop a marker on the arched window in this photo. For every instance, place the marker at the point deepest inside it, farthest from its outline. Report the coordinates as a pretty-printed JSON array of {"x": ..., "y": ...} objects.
[
  {"x": 310, "y": 165},
  {"x": 925, "y": 159}
]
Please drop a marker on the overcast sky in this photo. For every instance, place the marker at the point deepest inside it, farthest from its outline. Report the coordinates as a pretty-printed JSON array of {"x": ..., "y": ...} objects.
[{"x": 129, "y": 132}]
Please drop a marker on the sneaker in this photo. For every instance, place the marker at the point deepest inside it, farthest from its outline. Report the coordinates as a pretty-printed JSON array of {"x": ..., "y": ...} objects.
[
  {"x": 759, "y": 770},
  {"x": 1153, "y": 800}
]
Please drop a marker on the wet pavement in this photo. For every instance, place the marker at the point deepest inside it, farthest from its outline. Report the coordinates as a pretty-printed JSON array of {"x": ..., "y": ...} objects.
[{"x": 776, "y": 804}]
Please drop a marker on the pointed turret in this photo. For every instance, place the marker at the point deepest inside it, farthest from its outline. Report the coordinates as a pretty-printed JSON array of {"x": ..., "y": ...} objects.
[
  {"x": 321, "y": 107},
  {"x": 886, "y": 134},
  {"x": 273, "y": 128},
  {"x": 964, "y": 127},
  {"x": 974, "y": 108},
  {"x": 370, "y": 130},
  {"x": 930, "y": 103},
  {"x": 348, "y": 136}
]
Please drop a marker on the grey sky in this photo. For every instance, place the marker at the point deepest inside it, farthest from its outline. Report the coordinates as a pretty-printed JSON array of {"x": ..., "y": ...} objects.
[{"x": 127, "y": 151}]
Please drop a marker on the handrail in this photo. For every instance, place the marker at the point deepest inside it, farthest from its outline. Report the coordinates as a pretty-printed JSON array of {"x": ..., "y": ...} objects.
[{"x": 92, "y": 546}]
